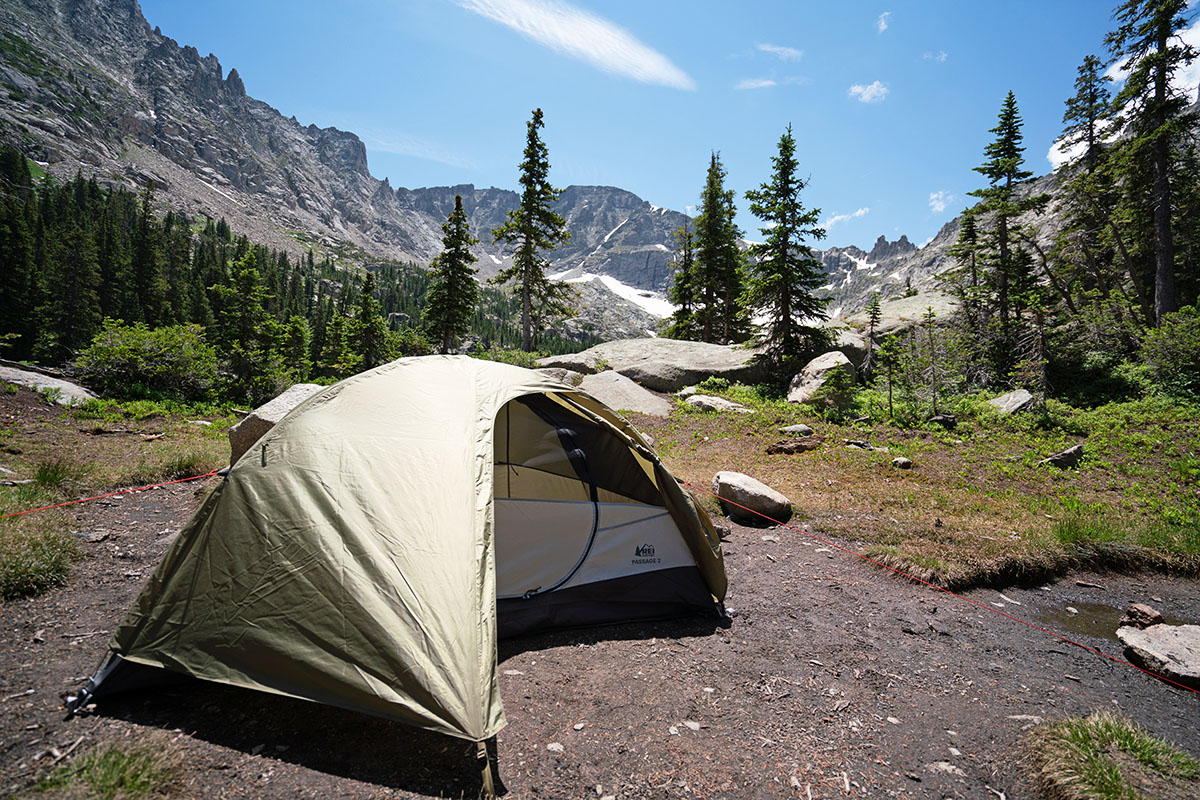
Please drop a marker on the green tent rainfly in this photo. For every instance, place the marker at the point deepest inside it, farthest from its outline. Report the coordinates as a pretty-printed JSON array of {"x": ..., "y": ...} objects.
[{"x": 371, "y": 548}]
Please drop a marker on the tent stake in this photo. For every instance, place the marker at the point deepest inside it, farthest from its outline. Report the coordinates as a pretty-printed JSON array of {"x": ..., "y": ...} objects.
[{"x": 488, "y": 792}]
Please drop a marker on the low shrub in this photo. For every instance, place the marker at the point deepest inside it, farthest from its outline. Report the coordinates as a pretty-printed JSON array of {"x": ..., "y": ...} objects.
[{"x": 136, "y": 362}]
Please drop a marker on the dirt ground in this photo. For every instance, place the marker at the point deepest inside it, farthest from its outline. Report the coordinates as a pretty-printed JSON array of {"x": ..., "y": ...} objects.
[{"x": 832, "y": 679}]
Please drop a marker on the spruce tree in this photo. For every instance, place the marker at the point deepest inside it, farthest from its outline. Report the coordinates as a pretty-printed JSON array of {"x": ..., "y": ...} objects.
[
  {"x": 368, "y": 333},
  {"x": 1147, "y": 44},
  {"x": 1000, "y": 205},
  {"x": 682, "y": 322},
  {"x": 453, "y": 292},
  {"x": 534, "y": 227},
  {"x": 720, "y": 272},
  {"x": 785, "y": 273}
]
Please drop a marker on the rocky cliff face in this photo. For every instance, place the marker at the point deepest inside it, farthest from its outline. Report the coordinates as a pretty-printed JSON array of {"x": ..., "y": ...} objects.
[{"x": 90, "y": 85}]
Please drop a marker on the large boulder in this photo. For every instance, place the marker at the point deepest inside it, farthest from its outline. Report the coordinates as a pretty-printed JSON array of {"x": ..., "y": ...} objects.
[
  {"x": 665, "y": 365},
  {"x": 616, "y": 391},
  {"x": 1013, "y": 402},
  {"x": 817, "y": 373},
  {"x": 64, "y": 392},
  {"x": 243, "y": 435},
  {"x": 741, "y": 496},
  {"x": 853, "y": 346},
  {"x": 1172, "y": 651}
]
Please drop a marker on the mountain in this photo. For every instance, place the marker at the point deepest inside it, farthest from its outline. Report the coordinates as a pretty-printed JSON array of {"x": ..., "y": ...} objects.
[{"x": 90, "y": 86}]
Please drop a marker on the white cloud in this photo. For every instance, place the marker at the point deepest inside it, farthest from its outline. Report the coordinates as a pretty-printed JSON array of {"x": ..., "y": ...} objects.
[
  {"x": 840, "y": 218},
  {"x": 755, "y": 83},
  {"x": 881, "y": 24},
  {"x": 583, "y": 35},
  {"x": 938, "y": 201},
  {"x": 940, "y": 56},
  {"x": 784, "y": 53},
  {"x": 1184, "y": 80},
  {"x": 871, "y": 93}
]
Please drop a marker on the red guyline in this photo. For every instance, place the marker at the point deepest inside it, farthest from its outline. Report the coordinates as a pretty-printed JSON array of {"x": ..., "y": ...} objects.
[
  {"x": 901, "y": 573},
  {"x": 110, "y": 494}
]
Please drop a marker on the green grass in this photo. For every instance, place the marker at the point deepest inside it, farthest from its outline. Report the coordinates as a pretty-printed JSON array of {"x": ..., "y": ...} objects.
[
  {"x": 977, "y": 508},
  {"x": 1107, "y": 757},
  {"x": 68, "y": 453},
  {"x": 122, "y": 770}
]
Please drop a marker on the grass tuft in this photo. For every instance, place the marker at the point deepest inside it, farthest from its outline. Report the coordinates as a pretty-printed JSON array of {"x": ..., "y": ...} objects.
[
  {"x": 1108, "y": 757},
  {"x": 122, "y": 770}
]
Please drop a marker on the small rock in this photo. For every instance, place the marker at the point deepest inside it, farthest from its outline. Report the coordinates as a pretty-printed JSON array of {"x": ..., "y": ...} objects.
[
  {"x": 579, "y": 726},
  {"x": 1140, "y": 615},
  {"x": 687, "y": 391},
  {"x": 793, "y": 446},
  {"x": 945, "y": 767},
  {"x": 91, "y": 536},
  {"x": 770, "y": 538},
  {"x": 900, "y": 462},
  {"x": 201, "y": 422},
  {"x": 724, "y": 529},
  {"x": 947, "y": 421},
  {"x": 749, "y": 501},
  {"x": 673, "y": 730},
  {"x": 555, "y": 747},
  {"x": 797, "y": 430},
  {"x": 893, "y": 720},
  {"x": 706, "y": 402},
  {"x": 691, "y": 726},
  {"x": 1066, "y": 459}
]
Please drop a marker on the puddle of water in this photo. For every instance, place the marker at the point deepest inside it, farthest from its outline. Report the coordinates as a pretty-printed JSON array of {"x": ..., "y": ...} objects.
[{"x": 1094, "y": 619}]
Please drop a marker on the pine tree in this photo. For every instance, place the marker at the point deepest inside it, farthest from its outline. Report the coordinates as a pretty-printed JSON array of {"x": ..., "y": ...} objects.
[
  {"x": 147, "y": 268},
  {"x": 453, "y": 292},
  {"x": 70, "y": 315},
  {"x": 786, "y": 273},
  {"x": 532, "y": 228},
  {"x": 720, "y": 270},
  {"x": 1147, "y": 45},
  {"x": 247, "y": 334},
  {"x": 682, "y": 294}
]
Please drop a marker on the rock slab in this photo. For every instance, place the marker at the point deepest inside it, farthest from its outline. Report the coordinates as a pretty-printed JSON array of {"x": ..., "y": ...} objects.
[
  {"x": 69, "y": 393},
  {"x": 664, "y": 365},
  {"x": 817, "y": 373},
  {"x": 243, "y": 435},
  {"x": 706, "y": 402},
  {"x": 620, "y": 393},
  {"x": 741, "y": 496},
  {"x": 1172, "y": 651},
  {"x": 1011, "y": 403}
]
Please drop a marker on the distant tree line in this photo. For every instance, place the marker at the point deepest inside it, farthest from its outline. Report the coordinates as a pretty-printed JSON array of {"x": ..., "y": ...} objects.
[{"x": 84, "y": 265}]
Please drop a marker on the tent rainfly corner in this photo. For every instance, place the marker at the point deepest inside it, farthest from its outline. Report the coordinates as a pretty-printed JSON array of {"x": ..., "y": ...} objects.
[{"x": 371, "y": 548}]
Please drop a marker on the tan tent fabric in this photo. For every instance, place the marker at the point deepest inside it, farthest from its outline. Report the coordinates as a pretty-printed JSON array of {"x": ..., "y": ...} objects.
[{"x": 348, "y": 557}]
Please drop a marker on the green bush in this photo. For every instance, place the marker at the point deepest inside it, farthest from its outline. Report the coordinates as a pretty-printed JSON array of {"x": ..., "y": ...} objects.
[
  {"x": 1171, "y": 353},
  {"x": 134, "y": 362}
]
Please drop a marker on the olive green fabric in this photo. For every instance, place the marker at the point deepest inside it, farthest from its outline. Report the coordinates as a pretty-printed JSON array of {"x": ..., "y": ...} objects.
[{"x": 347, "y": 558}]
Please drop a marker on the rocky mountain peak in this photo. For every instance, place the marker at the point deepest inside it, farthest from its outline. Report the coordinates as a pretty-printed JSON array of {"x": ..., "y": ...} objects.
[{"x": 885, "y": 250}]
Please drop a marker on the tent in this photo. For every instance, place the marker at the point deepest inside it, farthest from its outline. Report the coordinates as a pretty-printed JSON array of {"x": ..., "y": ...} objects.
[{"x": 370, "y": 549}]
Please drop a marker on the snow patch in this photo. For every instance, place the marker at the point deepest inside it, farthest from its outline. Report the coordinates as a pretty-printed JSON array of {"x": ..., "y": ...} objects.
[
  {"x": 650, "y": 302},
  {"x": 495, "y": 260},
  {"x": 614, "y": 230}
]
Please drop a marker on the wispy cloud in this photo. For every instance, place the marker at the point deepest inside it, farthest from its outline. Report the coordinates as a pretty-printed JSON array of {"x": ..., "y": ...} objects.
[
  {"x": 940, "y": 56},
  {"x": 840, "y": 218},
  {"x": 870, "y": 93},
  {"x": 409, "y": 146},
  {"x": 881, "y": 24},
  {"x": 784, "y": 53},
  {"x": 939, "y": 200},
  {"x": 755, "y": 83},
  {"x": 580, "y": 34}
]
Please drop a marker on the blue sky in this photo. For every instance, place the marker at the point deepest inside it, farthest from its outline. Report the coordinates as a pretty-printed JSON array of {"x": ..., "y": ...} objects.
[{"x": 890, "y": 103}]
